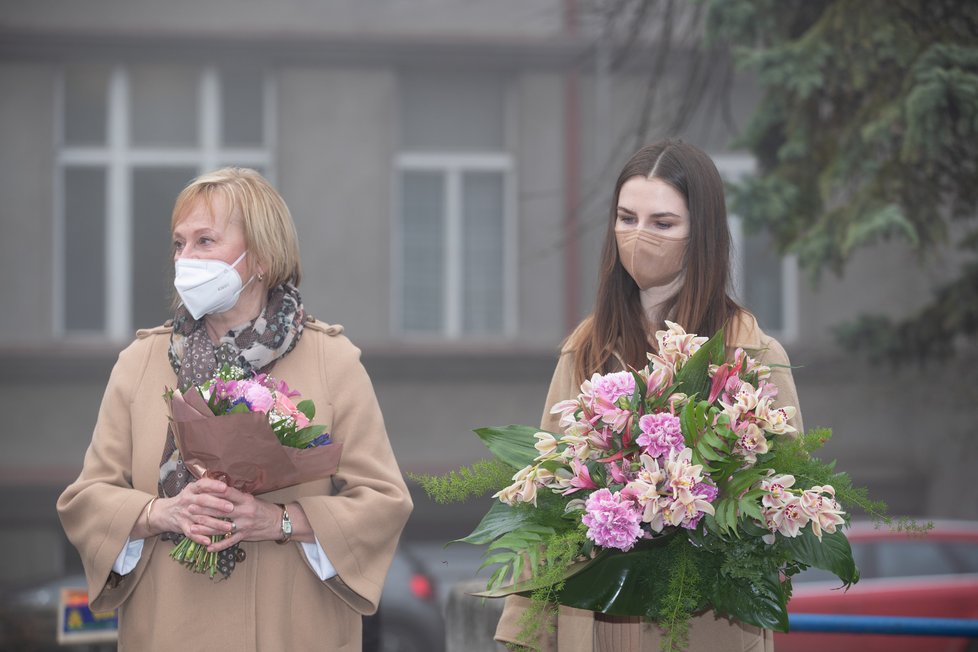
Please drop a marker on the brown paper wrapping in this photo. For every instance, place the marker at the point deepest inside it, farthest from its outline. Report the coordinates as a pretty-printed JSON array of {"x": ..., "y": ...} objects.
[{"x": 242, "y": 450}]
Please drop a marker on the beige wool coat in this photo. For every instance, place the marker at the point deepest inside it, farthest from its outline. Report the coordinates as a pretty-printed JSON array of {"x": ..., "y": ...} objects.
[
  {"x": 273, "y": 600},
  {"x": 584, "y": 631}
]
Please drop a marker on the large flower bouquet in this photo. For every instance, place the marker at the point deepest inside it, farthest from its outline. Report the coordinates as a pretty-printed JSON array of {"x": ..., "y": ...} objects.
[
  {"x": 248, "y": 432},
  {"x": 673, "y": 489}
]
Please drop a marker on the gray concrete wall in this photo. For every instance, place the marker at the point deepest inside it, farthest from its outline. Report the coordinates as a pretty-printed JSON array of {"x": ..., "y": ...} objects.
[
  {"x": 470, "y": 622},
  {"x": 542, "y": 236},
  {"x": 335, "y": 153},
  {"x": 512, "y": 18},
  {"x": 27, "y": 209}
]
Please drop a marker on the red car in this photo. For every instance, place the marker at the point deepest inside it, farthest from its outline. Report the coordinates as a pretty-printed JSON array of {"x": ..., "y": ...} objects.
[{"x": 933, "y": 575}]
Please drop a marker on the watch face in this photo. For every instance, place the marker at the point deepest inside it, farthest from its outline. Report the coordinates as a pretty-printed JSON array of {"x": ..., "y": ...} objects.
[{"x": 287, "y": 527}]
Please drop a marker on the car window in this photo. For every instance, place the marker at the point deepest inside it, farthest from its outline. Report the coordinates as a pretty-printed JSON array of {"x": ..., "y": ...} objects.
[
  {"x": 964, "y": 555},
  {"x": 815, "y": 575},
  {"x": 860, "y": 554},
  {"x": 913, "y": 557}
]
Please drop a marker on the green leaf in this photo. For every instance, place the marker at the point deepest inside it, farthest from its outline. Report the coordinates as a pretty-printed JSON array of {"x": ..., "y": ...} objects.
[
  {"x": 511, "y": 444},
  {"x": 726, "y": 513},
  {"x": 640, "y": 388},
  {"x": 687, "y": 423},
  {"x": 707, "y": 452},
  {"x": 499, "y": 520},
  {"x": 748, "y": 506},
  {"x": 308, "y": 408},
  {"x": 833, "y": 553},
  {"x": 496, "y": 578},
  {"x": 527, "y": 585},
  {"x": 742, "y": 480},
  {"x": 694, "y": 377},
  {"x": 761, "y": 603},
  {"x": 618, "y": 583},
  {"x": 305, "y": 436},
  {"x": 711, "y": 438}
]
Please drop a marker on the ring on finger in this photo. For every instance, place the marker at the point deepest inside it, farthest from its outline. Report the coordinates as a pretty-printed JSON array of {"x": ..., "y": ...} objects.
[{"x": 234, "y": 527}]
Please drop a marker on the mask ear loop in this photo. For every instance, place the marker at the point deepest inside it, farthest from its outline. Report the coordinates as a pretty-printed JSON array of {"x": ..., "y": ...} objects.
[{"x": 252, "y": 278}]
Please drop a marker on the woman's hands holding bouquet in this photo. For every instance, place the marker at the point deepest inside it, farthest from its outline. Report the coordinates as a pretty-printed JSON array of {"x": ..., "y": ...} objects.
[
  {"x": 244, "y": 433},
  {"x": 210, "y": 508}
]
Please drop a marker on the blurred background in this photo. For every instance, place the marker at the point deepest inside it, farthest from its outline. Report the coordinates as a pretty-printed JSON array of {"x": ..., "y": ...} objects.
[{"x": 449, "y": 165}]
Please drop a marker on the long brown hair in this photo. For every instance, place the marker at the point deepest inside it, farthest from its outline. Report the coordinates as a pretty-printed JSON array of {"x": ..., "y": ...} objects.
[{"x": 702, "y": 305}]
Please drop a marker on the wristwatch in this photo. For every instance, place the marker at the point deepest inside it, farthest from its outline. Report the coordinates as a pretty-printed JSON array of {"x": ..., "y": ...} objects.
[{"x": 286, "y": 525}]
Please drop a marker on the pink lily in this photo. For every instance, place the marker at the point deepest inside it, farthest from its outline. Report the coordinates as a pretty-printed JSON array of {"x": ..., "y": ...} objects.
[
  {"x": 724, "y": 373},
  {"x": 581, "y": 480}
]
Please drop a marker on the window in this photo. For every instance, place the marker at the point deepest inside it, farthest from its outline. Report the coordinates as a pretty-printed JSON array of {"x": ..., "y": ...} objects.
[
  {"x": 454, "y": 216},
  {"x": 764, "y": 282},
  {"x": 131, "y": 137}
]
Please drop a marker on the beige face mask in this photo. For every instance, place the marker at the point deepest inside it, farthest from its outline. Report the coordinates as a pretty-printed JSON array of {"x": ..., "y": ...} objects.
[{"x": 650, "y": 259}]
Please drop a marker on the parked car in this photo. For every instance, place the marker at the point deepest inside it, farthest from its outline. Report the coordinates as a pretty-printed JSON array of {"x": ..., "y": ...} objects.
[
  {"x": 409, "y": 619},
  {"x": 932, "y": 575},
  {"x": 410, "y": 615}
]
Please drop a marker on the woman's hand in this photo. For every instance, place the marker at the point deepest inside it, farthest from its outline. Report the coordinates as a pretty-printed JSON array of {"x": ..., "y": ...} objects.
[
  {"x": 209, "y": 507},
  {"x": 198, "y": 511},
  {"x": 250, "y": 519}
]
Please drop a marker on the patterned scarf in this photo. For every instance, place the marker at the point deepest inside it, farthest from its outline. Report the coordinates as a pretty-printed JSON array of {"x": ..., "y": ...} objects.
[{"x": 254, "y": 347}]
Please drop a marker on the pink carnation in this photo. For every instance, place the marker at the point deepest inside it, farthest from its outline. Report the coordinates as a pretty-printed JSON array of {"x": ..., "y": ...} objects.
[
  {"x": 661, "y": 434},
  {"x": 612, "y": 522},
  {"x": 613, "y": 386},
  {"x": 259, "y": 397}
]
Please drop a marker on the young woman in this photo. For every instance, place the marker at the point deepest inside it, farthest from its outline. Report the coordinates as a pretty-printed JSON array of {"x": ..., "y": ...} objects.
[{"x": 666, "y": 256}]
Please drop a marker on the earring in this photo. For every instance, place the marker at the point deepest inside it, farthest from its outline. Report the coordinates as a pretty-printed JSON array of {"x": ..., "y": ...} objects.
[{"x": 261, "y": 277}]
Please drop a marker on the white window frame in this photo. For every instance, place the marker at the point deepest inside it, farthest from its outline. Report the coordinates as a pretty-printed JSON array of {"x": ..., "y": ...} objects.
[
  {"x": 453, "y": 166},
  {"x": 119, "y": 157},
  {"x": 733, "y": 167}
]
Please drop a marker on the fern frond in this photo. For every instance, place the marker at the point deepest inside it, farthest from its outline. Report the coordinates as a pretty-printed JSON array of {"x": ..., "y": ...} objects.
[{"x": 458, "y": 486}]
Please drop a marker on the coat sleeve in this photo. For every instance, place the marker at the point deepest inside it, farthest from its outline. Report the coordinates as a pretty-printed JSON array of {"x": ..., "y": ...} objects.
[
  {"x": 562, "y": 387},
  {"x": 360, "y": 524},
  {"x": 745, "y": 333},
  {"x": 99, "y": 509}
]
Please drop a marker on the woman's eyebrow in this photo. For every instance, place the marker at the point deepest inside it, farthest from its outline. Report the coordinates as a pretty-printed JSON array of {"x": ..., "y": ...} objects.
[
  {"x": 622, "y": 209},
  {"x": 198, "y": 231}
]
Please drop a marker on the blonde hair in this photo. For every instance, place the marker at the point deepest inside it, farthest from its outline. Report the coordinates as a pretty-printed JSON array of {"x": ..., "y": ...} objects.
[{"x": 268, "y": 227}]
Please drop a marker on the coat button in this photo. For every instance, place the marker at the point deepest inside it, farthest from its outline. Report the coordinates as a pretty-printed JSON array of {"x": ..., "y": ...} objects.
[{"x": 240, "y": 555}]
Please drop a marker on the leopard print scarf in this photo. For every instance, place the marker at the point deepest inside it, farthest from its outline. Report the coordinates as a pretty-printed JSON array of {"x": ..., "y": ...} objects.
[{"x": 254, "y": 347}]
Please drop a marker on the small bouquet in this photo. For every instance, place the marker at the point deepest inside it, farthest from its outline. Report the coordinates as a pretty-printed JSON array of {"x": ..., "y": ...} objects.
[
  {"x": 247, "y": 432},
  {"x": 672, "y": 489}
]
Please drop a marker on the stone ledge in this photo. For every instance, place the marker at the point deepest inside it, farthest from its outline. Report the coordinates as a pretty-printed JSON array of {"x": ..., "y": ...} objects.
[{"x": 470, "y": 622}]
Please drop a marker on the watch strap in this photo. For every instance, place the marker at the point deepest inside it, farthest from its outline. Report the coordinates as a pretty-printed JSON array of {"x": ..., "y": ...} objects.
[{"x": 286, "y": 525}]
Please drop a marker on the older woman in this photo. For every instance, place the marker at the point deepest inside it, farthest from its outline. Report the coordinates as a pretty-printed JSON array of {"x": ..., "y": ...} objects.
[{"x": 237, "y": 271}]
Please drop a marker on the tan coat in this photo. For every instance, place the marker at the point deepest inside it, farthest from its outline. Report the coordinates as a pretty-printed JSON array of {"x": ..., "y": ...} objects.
[
  {"x": 272, "y": 600},
  {"x": 582, "y": 631}
]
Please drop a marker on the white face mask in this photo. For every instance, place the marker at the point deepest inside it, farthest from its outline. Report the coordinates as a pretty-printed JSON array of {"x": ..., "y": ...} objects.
[{"x": 208, "y": 286}]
